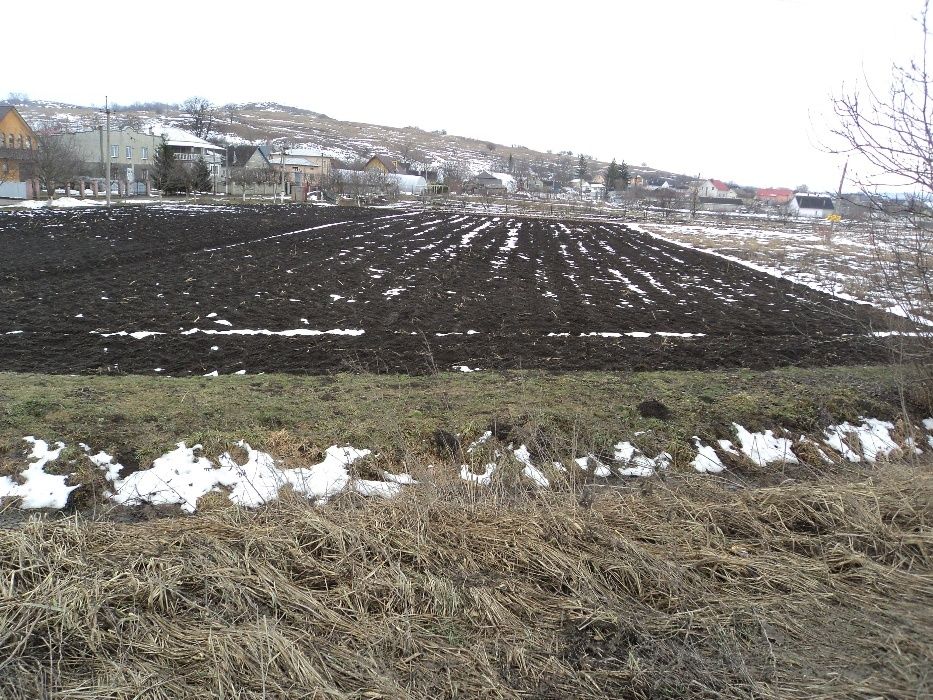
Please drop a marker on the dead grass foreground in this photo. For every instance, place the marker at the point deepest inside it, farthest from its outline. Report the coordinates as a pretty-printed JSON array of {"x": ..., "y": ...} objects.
[{"x": 676, "y": 588}]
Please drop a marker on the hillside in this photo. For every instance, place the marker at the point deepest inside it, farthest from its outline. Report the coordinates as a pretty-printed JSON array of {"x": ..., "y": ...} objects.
[{"x": 262, "y": 122}]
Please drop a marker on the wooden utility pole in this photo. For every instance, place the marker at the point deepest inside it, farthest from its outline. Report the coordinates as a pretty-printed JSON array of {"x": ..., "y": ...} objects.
[
  {"x": 107, "y": 153},
  {"x": 842, "y": 180}
]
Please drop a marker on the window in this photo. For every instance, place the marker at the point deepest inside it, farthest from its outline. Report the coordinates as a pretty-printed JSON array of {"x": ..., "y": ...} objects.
[
  {"x": 29, "y": 143},
  {"x": 129, "y": 153},
  {"x": 114, "y": 151},
  {"x": 144, "y": 153},
  {"x": 19, "y": 141},
  {"x": 10, "y": 141}
]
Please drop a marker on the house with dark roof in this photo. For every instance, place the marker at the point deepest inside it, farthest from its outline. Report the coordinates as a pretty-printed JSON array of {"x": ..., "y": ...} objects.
[
  {"x": 247, "y": 157},
  {"x": 813, "y": 206}
]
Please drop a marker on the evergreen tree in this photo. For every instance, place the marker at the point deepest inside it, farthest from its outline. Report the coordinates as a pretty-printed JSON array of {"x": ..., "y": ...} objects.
[
  {"x": 201, "y": 177},
  {"x": 617, "y": 176},
  {"x": 163, "y": 167},
  {"x": 582, "y": 167}
]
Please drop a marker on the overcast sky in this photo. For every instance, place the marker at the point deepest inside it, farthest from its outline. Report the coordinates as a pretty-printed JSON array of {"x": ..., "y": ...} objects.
[{"x": 733, "y": 89}]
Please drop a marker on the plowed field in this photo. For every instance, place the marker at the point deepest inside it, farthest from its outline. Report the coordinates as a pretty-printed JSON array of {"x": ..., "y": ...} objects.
[{"x": 193, "y": 290}]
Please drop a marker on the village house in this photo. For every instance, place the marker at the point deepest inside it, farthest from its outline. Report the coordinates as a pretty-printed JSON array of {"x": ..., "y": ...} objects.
[
  {"x": 17, "y": 145},
  {"x": 252, "y": 157},
  {"x": 304, "y": 168},
  {"x": 715, "y": 189},
  {"x": 382, "y": 164},
  {"x": 187, "y": 147},
  {"x": 774, "y": 196},
  {"x": 813, "y": 206},
  {"x": 131, "y": 155},
  {"x": 495, "y": 183}
]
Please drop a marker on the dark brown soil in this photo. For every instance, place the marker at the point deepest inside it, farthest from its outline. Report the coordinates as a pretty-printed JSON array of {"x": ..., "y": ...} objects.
[{"x": 431, "y": 291}]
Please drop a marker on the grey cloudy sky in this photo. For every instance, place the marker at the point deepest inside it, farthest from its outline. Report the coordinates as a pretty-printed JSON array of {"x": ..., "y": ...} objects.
[{"x": 733, "y": 89}]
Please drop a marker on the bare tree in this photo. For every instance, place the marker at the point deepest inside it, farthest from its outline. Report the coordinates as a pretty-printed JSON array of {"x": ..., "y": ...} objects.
[
  {"x": 456, "y": 172},
  {"x": 56, "y": 160},
  {"x": 199, "y": 113},
  {"x": 887, "y": 133}
]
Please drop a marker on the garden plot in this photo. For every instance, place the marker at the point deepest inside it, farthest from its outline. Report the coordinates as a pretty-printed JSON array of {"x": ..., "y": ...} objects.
[
  {"x": 199, "y": 290},
  {"x": 837, "y": 259}
]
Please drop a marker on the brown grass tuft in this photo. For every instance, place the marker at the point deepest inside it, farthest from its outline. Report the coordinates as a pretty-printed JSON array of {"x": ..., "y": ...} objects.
[{"x": 681, "y": 588}]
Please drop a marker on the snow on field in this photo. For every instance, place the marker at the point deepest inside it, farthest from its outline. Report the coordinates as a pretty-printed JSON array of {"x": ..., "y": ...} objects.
[
  {"x": 764, "y": 448},
  {"x": 706, "y": 461},
  {"x": 842, "y": 262},
  {"x": 639, "y": 464},
  {"x": 183, "y": 475},
  {"x": 39, "y": 490},
  {"x": 873, "y": 435}
]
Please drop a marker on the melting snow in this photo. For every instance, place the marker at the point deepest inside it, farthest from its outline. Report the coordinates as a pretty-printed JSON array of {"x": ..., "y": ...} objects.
[
  {"x": 530, "y": 470},
  {"x": 483, "y": 479},
  {"x": 639, "y": 463},
  {"x": 873, "y": 435},
  {"x": 706, "y": 461},
  {"x": 39, "y": 490},
  {"x": 764, "y": 448}
]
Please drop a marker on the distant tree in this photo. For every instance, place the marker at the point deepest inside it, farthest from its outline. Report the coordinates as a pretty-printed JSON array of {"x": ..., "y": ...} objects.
[
  {"x": 56, "y": 161},
  {"x": 199, "y": 113},
  {"x": 455, "y": 174},
  {"x": 802, "y": 188},
  {"x": 511, "y": 164},
  {"x": 617, "y": 176},
  {"x": 582, "y": 167}
]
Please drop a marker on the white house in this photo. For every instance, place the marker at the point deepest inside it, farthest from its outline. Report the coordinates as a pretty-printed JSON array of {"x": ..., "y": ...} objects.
[
  {"x": 715, "y": 189},
  {"x": 188, "y": 147},
  {"x": 814, "y": 206}
]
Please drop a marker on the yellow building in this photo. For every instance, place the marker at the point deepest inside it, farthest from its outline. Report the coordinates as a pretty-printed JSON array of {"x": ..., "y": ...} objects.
[
  {"x": 17, "y": 141},
  {"x": 382, "y": 164}
]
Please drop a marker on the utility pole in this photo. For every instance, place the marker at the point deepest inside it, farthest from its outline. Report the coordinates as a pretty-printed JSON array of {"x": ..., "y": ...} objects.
[
  {"x": 283, "y": 173},
  {"x": 107, "y": 111}
]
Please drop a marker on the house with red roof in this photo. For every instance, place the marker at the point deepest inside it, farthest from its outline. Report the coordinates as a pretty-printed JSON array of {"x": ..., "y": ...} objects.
[
  {"x": 777, "y": 196},
  {"x": 716, "y": 189}
]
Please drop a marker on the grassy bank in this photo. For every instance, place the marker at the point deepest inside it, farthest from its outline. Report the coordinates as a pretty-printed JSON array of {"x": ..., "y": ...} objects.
[
  {"x": 806, "y": 582},
  {"x": 139, "y": 418}
]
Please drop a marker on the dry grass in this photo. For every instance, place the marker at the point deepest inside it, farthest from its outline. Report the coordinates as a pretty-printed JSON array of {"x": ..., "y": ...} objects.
[{"x": 677, "y": 588}]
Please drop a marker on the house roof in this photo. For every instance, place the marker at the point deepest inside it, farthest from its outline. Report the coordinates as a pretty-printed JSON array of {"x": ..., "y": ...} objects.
[
  {"x": 179, "y": 137},
  {"x": 4, "y": 109},
  {"x": 239, "y": 155},
  {"x": 769, "y": 192},
  {"x": 277, "y": 159},
  {"x": 808, "y": 202},
  {"x": 389, "y": 165},
  {"x": 720, "y": 185}
]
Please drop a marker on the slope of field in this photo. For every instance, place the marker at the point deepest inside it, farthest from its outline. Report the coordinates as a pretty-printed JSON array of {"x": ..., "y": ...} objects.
[{"x": 194, "y": 290}]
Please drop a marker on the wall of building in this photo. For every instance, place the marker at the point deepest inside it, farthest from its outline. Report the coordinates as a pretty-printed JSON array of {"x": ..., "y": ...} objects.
[
  {"x": 92, "y": 144},
  {"x": 18, "y": 140}
]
